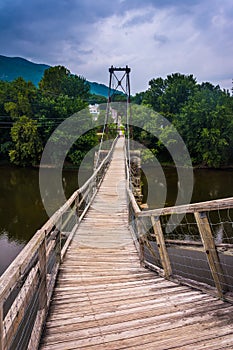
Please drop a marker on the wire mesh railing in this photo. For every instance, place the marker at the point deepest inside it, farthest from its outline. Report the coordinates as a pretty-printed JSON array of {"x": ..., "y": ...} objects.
[
  {"x": 190, "y": 243},
  {"x": 27, "y": 285}
]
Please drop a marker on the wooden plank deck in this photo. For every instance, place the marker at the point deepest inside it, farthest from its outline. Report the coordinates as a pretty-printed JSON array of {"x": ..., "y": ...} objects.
[{"x": 104, "y": 299}]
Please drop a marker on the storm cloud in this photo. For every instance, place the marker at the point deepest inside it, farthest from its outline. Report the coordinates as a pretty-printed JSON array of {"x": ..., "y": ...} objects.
[{"x": 154, "y": 38}]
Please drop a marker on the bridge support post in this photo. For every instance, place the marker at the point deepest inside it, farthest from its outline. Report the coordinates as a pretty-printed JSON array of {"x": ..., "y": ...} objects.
[
  {"x": 210, "y": 250},
  {"x": 135, "y": 175},
  {"x": 43, "y": 275},
  {"x": 77, "y": 207},
  {"x": 58, "y": 246},
  {"x": 161, "y": 246},
  {"x": 141, "y": 242},
  {"x": 1, "y": 325}
]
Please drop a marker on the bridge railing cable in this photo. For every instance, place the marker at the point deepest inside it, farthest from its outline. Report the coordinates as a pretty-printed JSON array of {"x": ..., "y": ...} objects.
[
  {"x": 195, "y": 249},
  {"x": 27, "y": 285}
]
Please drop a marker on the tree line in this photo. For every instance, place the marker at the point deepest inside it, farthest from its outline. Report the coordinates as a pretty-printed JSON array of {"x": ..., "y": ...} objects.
[
  {"x": 29, "y": 115},
  {"x": 201, "y": 113}
]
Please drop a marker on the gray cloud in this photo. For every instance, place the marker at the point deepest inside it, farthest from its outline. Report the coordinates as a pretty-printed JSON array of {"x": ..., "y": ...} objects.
[
  {"x": 138, "y": 19},
  {"x": 161, "y": 39},
  {"x": 155, "y": 37}
]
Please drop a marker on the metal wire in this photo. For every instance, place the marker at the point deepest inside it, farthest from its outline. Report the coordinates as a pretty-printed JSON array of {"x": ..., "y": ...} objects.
[{"x": 185, "y": 247}]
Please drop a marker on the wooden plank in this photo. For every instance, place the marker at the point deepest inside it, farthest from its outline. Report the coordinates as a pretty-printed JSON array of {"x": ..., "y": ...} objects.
[
  {"x": 216, "y": 343},
  {"x": 161, "y": 314},
  {"x": 19, "y": 269},
  {"x": 160, "y": 323},
  {"x": 182, "y": 332},
  {"x": 161, "y": 246},
  {"x": 104, "y": 299},
  {"x": 117, "y": 294},
  {"x": 211, "y": 252},
  {"x": 171, "y": 296}
]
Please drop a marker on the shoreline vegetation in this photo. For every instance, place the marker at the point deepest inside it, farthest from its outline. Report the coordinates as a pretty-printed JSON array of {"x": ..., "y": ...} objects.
[
  {"x": 201, "y": 113},
  {"x": 6, "y": 163}
]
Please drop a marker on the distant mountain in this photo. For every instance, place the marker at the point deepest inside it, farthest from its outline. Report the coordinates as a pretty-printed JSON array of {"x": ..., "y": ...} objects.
[
  {"x": 14, "y": 67},
  {"x": 98, "y": 89}
]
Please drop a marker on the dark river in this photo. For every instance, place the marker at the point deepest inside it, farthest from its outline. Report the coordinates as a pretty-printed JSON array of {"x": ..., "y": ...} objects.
[
  {"x": 21, "y": 208},
  {"x": 22, "y": 211}
]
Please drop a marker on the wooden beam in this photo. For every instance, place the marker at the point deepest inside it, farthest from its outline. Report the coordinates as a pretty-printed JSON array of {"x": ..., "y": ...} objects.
[
  {"x": 211, "y": 252},
  {"x": 1, "y": 326},
  {"x": 141, "y": 251},
  {"x": 36, "y": 331},
  {"x": 161, "y": 246},
  {"x": 17, "y": 268},
  {"x": 139, "y": 235},
  {"x": 18, "y": 308},
  {"x": 58, "y": 248},
  {"x": 43, "y": 275},
  {"x": 133, "y": 202},
  {"x": 217, "y": 204}
]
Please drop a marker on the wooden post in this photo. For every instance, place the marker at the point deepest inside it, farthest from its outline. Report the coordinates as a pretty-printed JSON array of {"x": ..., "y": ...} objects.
[
  {"x": 58, "y": 247},
  {"x": 161, "y": 246},
  {"x": 43, "y": 275},
  {"x": 77, "y": 207},
  {"x": 1, "y": 326},
  {"x": 210, "y": 249},
  {"x": 141, "y": 251},
  {"x": 140, "y": 241},
  {"x": 132, "y": 215}
]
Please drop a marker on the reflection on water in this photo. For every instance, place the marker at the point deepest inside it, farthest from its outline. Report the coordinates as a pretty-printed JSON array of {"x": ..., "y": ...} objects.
[
  {"x": 212, "y": 184},
  {"x": 209, "y": 184},
  {"x": 21, "y": 208},
  {"x": 9, "y": 249}
]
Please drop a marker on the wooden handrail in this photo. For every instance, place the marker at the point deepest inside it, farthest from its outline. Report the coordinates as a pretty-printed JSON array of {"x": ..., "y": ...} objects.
[
  {"x": 12, "y": 274},
  {"x": 217, "y": 204},
  {"x": 53, "y": 219},
  {"x": 207, "y": 243},
  {"x": 37, "y": 260}
]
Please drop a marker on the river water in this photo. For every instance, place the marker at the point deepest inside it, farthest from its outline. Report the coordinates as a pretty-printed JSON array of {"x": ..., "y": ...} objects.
[
  {"x": 22, "y": 211},
  {"x": 21, "y": 208}
]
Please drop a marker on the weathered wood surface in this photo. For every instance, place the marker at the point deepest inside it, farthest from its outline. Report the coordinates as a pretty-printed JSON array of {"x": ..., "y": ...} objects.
[
  {"x": 104, "y": 299},
  {"x": 217, "y": 204}
]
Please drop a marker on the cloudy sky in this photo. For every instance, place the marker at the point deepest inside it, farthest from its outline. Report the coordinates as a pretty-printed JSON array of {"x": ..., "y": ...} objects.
[{"x": 154, "y": 37}]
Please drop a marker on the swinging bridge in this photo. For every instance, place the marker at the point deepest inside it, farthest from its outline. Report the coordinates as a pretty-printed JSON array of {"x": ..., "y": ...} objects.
[{"x": 102, "y": 274}]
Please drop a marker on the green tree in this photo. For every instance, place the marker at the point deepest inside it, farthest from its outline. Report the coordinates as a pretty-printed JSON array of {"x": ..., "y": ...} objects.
[
  {"x": 76, "y": 86},
  {"x": 138, "y": 98},
  {"x": 169, "y": 95},
  {"x": 153, "y": 95},
  {"x": 61, "y": 94},
  {"x": 5, "y": 125},
  {"x": 20, "y": 98},
  {"x": 59, "y": 81},
  {"x": 27, "y": 146},
  {"x": 4, "y": 92},
  {"x": 53, "y": 80},
  {"x": 84, "y": 144},
  {"x": 206, "y": 125},
  {"x": 96, "y": 99}
]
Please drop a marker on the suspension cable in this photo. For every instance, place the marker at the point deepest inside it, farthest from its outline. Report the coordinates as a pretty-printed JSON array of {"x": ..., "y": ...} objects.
[{"x": 114, "y": 83}]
